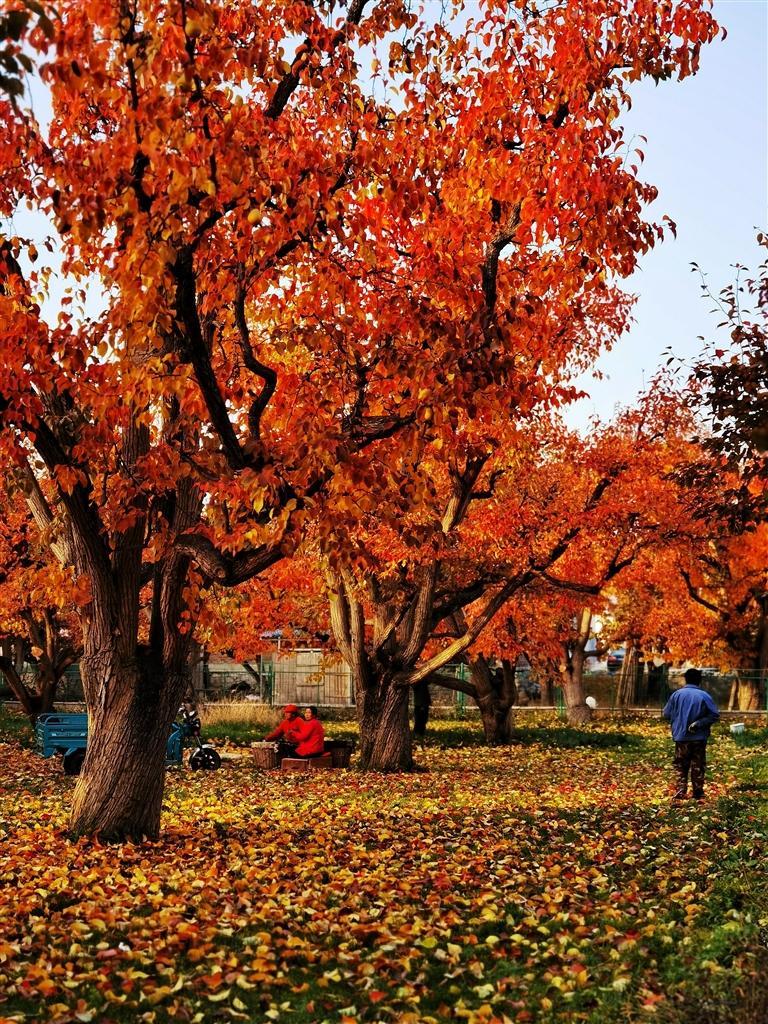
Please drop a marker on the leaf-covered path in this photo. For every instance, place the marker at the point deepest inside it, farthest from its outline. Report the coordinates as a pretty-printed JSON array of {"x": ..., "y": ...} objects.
[{"x": 535, "y": 883}]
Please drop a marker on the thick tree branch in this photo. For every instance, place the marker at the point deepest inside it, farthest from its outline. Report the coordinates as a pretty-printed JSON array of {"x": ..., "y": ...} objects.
[
  {"x": 453, "y": 650},
  {"x": 696, "y": 596},
  {"x": 490, "y": 269},
  {"x": 82, "y": 511},
  {"x": 288, "y": 84},
  {"x": 223, "y": 568},
  {"x": 192, "y": 348},
  {"x": 267, "y": 374},
  {"x": 16, "y": 684},
  {"x": 341, "y": 620},
  {"x": 419, "y": 618}
]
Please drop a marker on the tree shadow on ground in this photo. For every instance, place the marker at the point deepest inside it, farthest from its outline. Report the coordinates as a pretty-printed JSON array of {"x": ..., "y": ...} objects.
[{"x": 570, "y": 738}]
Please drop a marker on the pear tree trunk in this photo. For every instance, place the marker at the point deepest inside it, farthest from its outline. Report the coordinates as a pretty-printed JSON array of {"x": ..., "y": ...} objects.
[
  {"x": 749, "y": 694},
  {"x": 385, "y": 728},
  {"x": 494, "y": 693},
  {"x": 36, "y": 700},
  {"x": 498, "y": 723},
  {"x": 119, "y": 793},
  {"x": 627, "y": 693},
  {"x": 578, "y": 711}
]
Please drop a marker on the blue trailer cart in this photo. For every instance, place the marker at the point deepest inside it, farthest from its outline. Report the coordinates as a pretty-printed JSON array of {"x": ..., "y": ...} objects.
[{"x": 68, "y": 735}]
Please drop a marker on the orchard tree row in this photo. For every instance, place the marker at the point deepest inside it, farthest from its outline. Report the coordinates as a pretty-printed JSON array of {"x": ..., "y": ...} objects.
[{"x": 312, "y": 283}]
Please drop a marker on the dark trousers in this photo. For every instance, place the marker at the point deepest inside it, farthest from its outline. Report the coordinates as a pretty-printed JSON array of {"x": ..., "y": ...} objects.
[
  {"x": 420, "y": 719},
  {"x": 285, "y": 750},
  {"x": 690, "y": 759}
]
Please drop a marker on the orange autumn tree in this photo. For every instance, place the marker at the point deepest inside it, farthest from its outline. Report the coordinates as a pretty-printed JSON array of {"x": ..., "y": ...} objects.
[
  {"x": 277, "y": 263},
  {"x": 703, "y": 600},
  {"x": 552, "y": 618},
  {"x": 527, "y": 528},
  {"x": 288, "y": 597}
]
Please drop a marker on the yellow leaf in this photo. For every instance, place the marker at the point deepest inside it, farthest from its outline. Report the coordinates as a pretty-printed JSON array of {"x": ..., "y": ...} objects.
[{"x": 219, "y": 997}]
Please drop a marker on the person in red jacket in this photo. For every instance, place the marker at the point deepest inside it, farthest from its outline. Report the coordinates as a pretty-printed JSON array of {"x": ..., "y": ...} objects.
[
  {"x": 309, "y": 735},
  {"x": 290, "y": 719},
  {"x": 282, "y": 733}
]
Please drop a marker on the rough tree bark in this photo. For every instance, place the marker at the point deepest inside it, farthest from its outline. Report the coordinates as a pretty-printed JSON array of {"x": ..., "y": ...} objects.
[
  {"x": 385, "y": 733},
  {"x": 629, "y": 677},
  {"x": 495, "y": 693},
  {"x": 572, "y": 672},
  {"x": 132, "y": 691},
  {"x": 750, "y": 686},
  {"x": 120, "y": 790},
  {"x": 382, "y": 704}
]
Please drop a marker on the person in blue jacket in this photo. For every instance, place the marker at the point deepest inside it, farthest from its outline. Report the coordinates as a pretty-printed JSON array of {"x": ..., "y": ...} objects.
[{"x": 690, "y": 712}]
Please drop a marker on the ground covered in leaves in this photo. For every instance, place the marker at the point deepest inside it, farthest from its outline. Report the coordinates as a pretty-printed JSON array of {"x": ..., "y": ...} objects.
[{"x": 550, "y": 881}]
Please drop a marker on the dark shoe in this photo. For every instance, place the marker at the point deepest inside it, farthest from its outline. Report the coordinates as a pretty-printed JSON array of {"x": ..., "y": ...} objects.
[
  {"x": 697, "y": 796},
  {"x": 679, "y": 796}
]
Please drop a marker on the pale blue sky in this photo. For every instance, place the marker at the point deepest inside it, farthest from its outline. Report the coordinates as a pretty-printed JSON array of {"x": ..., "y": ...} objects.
[{"x": 707, "y": 153}]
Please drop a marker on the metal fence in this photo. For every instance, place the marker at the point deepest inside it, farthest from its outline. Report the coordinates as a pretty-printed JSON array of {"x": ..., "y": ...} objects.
[{"x": 311, "y": 677}]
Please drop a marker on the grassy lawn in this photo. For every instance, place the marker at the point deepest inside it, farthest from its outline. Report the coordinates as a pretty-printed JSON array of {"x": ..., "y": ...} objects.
[{"x": 549, "y": 881}]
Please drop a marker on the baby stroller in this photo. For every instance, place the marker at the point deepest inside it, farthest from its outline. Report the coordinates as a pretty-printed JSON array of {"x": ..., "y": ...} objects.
[{"x": 204, "y": 756}]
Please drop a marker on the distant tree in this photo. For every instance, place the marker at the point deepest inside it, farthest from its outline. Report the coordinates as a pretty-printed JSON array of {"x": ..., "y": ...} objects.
[
  {"x": 729, "y": 386},
  {"x": 38, "y": 599}
]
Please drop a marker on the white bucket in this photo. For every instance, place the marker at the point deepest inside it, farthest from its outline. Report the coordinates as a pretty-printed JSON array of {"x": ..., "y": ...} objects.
[{"x": 737, "y": 727}]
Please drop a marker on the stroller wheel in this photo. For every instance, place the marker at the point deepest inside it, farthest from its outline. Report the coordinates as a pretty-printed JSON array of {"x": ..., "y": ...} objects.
[
  {"x": 73, "y": 761},
  {"x": 205, "y": 758}
]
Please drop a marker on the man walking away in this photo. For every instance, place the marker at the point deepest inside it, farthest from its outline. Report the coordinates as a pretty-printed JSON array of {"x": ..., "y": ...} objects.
[{"x": 690, "y": 712}]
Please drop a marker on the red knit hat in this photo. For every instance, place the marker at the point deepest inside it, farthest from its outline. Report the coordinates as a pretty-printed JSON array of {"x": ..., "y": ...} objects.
[{"x": 290, "y": 707}]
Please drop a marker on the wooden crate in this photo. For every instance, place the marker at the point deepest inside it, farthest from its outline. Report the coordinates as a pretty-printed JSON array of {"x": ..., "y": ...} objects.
[{"x": 265, "y": 755}]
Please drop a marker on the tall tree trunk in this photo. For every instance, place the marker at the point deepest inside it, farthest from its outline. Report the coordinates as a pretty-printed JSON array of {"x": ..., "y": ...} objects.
[
  {"x": 46, "y": 684},
  {"x": 626, "y": 695},
  {"x": 385, "y": 728},
  {"x": 132, "y": 691},
  {"x": 733, "y": 696},
  {"x": 119, "y": 792},
  {"x": 577, "y": 710},
  {"x": 547, "y": 687},
  {"x": 749, "y": 692},
  {"x": 495, "y": 698}
]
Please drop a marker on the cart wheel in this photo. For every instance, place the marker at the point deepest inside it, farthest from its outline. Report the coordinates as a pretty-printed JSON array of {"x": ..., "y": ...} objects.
[
  {"x": 206, "y": 758},
  {"x": 73, "y": 761}
]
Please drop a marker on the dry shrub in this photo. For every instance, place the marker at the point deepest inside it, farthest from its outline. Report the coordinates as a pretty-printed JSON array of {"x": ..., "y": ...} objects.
[{"x": 237, "y": 713}]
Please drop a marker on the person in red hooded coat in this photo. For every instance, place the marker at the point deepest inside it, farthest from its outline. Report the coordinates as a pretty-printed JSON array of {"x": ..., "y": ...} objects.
[
  {"x": 283, "y": 733},
  {"x": 288, "y": 723},
  {"x": 308, "y": 734}
]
